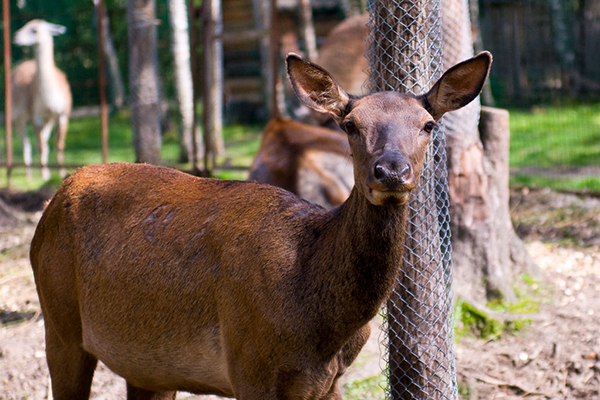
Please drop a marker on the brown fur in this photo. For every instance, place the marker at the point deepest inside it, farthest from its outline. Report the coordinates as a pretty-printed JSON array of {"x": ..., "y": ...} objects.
[
  {"x": 310, "y": 161},
  {"x": 232, "y": 288},
  {"x": 342, "y": 54}
]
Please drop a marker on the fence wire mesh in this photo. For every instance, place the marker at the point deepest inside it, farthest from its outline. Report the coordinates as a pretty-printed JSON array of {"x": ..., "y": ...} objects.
[{"x": 405, "y": 54}]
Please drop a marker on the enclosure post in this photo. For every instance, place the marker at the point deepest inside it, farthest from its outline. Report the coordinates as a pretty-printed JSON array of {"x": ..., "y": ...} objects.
[
  {"x": 8, "y": 90},
  {"x": 405, "y": 55},
  {"x": 102, "y": 80},
  {"x": 274, "y": 60},
  {"x": 194, "y": 67}
]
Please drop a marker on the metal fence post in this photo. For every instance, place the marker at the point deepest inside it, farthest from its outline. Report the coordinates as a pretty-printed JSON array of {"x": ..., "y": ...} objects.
[
  {"x": 405, "y": 54},
  {"x": 8, "y": 90}
]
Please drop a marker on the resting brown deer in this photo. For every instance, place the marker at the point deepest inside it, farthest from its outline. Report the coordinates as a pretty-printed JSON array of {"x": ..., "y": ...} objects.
[
  {"x": 313, "y": 162},
  {"x": 310, "y": 161},
  {"x": 235, "y": 288},
  {"x": 342, "y": 54}
]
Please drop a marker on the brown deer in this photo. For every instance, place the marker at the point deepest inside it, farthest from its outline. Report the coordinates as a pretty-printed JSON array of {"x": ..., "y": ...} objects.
[
  {"x": 41, "y": 94},
  {"x": 310, "y": 161},
  {"x": 314, "y": 162},
  {"x": 342, "y": 55},
  {"x": 235, "y": 288}
]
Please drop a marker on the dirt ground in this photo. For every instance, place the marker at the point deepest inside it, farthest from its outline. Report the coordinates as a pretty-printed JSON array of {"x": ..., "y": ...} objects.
[{"x": 557, "y": 356}]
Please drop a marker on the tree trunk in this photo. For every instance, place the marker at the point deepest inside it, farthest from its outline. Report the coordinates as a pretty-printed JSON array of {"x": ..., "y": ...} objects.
[
  {"x": 184, "y": 84},
  {"x": 483, "y": 239},
  {"x": 115, "y": 79},
  {"x": 308, "y": 30},
  {"x": 213, "y": 82},
  {"x": 494, "y": 131},
  {"x": 486, "y": 92},
  {"x": 143, "y": 80},
  {"x": 419, "y": 308}
]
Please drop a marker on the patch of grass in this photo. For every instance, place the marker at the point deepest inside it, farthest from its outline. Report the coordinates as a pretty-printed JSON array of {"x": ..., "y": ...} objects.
[
  {"x": 558, "y": 183},
  {"x": 84, "y": 147},
  {"x": 471, "y": 321},
  {"x": 367, "y": 389},
  {"x": 241, "y": 143},
  {"x": 464, "y": 390},
  {"x": 555, "y": 136}
]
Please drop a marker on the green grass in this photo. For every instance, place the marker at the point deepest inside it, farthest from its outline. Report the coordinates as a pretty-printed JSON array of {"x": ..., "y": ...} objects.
[
  {"x": 84, "y": 147},
  {"x": 543, "y": 137},
  {"x": 589, "y": 183},
  {"x": 368, "y": 389},
  {"x": 556, "y": 138},
  {"x": 472, "y": 322}
]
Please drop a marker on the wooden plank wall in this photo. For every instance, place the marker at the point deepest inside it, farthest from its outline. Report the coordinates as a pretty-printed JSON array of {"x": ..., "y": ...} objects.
[
  {"x": 242, "y": 62},
  {"x": 527, "y": 64}
]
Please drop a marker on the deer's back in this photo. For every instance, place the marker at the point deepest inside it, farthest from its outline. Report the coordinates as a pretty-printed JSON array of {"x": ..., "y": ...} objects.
[
  {"x": 310, "y": 161},
  {"x": 342, "y": 53}
]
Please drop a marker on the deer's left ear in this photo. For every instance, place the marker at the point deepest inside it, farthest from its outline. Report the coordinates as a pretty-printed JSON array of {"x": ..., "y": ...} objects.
[
  {"x": 459, "y": 85},
  {"x": 316, "y": 88}
]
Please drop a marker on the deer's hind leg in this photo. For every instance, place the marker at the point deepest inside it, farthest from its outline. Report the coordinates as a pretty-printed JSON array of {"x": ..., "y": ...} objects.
[{"x": 71, "y": 368}]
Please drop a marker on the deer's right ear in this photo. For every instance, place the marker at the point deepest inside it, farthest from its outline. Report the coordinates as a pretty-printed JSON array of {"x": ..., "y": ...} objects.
[
  {"x": 459, "y": 85},
  {"x": 316, "y": 88}
]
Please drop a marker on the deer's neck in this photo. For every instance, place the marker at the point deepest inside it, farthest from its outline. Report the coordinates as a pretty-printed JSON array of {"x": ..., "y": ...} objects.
[{"x": 358, "y": 255}]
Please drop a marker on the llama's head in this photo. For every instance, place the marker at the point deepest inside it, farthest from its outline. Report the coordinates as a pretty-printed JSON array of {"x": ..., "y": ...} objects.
[{"x": 37, "y": 31}]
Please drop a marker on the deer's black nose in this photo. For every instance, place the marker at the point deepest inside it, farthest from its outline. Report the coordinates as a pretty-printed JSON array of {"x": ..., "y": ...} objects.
[{"x": 393, "y": 171}]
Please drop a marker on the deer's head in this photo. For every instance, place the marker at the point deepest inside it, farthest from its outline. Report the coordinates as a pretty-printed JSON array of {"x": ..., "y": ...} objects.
[{"x": 388, "y": 131}]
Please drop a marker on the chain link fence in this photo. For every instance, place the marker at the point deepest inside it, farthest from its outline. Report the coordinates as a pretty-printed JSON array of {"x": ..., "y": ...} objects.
[{"x": 405, "y": 54}]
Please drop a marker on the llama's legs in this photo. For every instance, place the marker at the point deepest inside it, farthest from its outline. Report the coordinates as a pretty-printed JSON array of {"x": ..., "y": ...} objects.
[
  {"x": 43, "y": 138},
  {"x": 21, "y": 128},
  {"x": 63, "y": 123}
]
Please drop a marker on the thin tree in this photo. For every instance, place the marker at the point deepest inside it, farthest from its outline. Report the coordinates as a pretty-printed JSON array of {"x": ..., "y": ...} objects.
[
  {"x": 115, "y": 79},
  {"x": 143, "y": 80},
  {"x": 184, "y": 85}
]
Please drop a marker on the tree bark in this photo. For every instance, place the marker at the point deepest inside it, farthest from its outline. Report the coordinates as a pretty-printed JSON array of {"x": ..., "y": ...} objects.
[
  {"x": 419, "y": 308},
  {"x": 486, "y": 92},
  {"x": 116, "y": 86},
  {"x": 143, "y": 80},
  {"x": 213, "y": 82},
  {"x": 184, "y": 84},
  {"x": 308, "y": 30},
  {"x": 483, "y": 240},
  {"x": 494, "y": 131}
]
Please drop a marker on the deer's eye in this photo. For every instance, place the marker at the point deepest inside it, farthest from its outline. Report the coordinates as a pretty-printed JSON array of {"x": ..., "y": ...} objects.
[
  {"x": 349, "y": 127},
  {"x": 429, "y": 127}
]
